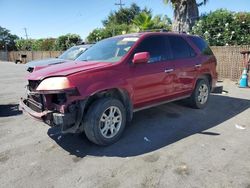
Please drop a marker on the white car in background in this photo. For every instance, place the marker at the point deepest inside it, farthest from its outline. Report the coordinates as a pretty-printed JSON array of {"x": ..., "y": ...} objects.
[{"x": 69, "y": 55}]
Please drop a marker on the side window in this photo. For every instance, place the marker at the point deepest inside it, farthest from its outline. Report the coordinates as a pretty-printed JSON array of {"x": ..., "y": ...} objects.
[
  {"x": 202, "y": 45},
  {"x": 157, "y": 48},
  {"x": 180, "y": 48}
]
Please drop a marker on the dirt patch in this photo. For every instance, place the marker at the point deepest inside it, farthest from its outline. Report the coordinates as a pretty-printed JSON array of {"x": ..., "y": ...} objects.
[
  {"x": 4, "y": 133},
  {"x": 182, "y": 170},
  {"x": 51, "y": 148},
  {"x": 111, "y": 184},
  {"x": 4, "y": 156},
  {"x": 5, "y": 120},
  {"x": 76, "y": 159},
  {"x": 151, "y": 158}
]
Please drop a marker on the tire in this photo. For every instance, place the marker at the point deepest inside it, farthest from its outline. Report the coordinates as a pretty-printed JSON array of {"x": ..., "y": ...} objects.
[
  {"x": 103, "y": 129},
  {"x": 200, "y": 95}
]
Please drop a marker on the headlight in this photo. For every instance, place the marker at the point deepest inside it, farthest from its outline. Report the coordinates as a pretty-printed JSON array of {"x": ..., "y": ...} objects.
[{"x": 54, "y": 83}]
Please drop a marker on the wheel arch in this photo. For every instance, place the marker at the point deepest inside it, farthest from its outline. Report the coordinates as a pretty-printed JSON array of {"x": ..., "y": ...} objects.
[
  {"x": 206, "y": 76},
  {"x": 118, "y": 93}
]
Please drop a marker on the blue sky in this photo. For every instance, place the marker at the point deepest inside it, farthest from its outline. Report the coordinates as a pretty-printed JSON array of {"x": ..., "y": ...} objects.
[{"x": 52, "y": 18}]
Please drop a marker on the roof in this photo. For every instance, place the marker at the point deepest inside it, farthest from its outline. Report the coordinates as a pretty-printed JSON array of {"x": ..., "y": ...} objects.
[{"x": 152, "y": 33}]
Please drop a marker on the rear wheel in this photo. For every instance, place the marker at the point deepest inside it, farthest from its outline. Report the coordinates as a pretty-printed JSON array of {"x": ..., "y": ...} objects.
[
  {"x": 105, "y": 121},
  {"x": 200, "y": 95}
]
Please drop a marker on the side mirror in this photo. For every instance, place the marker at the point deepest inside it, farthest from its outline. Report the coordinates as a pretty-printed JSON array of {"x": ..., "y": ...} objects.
[{"x": 142, "y": 57}]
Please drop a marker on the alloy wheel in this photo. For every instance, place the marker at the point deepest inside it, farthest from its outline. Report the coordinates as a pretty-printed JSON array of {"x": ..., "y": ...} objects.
[{"x": 110, "y": 122}]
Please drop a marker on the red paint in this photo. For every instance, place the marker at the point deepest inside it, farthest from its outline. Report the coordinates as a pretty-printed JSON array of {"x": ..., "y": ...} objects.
[
  {"x": 142, "y": 57},
  {"x": 145, "y": 83}
]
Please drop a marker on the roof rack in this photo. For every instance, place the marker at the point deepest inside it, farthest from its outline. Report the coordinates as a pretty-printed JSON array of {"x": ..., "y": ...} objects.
[
  {"x": 163, "y": 30},
  {"x": 154, "y": 30},
  {"x": 182, "y": 32}
]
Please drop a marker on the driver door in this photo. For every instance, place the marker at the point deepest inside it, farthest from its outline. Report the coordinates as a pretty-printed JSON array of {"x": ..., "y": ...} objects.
[{"x": 153, "y": 80}]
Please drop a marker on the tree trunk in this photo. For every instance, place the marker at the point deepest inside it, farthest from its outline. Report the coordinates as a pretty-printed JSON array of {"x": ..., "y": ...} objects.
[{"x": 185, "y": 14}]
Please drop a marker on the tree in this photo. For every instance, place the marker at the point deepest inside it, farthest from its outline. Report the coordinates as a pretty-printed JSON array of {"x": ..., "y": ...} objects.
[
  {"x": 162, "y": 22},
  {"x": 122, "y": 16},
  {"x": 128, "y": 20},
  {"x": 66, "y": 41},
  {"x": 7, "y": 40},
  {"x": 120, "y": 21},
  {"x": 185, "y": 14},
  {"x": 143, "y": 21},
  {"x": 223, "y": 27},
  {"x": 96, "y": 35}
]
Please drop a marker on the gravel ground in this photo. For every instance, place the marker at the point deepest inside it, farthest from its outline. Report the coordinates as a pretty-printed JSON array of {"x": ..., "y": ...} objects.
[{"x": 166, "y": 146}]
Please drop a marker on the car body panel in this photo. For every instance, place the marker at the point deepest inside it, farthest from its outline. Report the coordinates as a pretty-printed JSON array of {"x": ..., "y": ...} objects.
[
  {"x": 45, "y": 62},
  {"x": 144, "y": 83},
  {"x": 150, "y": 77},
  {"x": 65, "y": 69}
]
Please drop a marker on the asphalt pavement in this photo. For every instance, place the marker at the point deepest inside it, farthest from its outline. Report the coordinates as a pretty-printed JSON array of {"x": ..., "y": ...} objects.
[{"x": 170, "y": 145}]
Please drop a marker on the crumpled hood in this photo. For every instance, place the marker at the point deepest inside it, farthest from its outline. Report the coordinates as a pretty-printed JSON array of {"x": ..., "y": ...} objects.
[
  {"x": 65, "y": 69},
  {"x": 45, "y": 62}
]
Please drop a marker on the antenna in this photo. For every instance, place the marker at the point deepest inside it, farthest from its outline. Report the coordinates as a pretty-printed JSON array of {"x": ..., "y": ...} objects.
[
  {"x": 120, "y": 4},
  {"x": 26, "y": 35}
]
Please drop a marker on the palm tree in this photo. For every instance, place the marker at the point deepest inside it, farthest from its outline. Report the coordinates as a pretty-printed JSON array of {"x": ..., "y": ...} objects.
[
  {"x": 185, "y": 13},
  {"x": 143, "y": 21}
]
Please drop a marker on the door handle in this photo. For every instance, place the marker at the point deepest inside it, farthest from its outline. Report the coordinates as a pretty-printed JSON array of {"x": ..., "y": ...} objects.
[
  {"x": 198, "y": 65},
  {"x": 169, "y": 70}
]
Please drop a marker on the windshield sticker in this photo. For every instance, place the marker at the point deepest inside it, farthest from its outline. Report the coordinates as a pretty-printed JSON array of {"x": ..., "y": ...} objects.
[{"x": 130, "y": 39}]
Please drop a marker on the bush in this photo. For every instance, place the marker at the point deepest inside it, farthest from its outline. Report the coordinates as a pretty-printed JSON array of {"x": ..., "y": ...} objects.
[
  {"x": 109, "y": 31},
  {"x": 24, "y": 44},
  {"x": 66, "y": 41},
  {"x": 43, "y": 44},
  {"x": 61, "y": 43},
  {"x": 96, "y": 35},
  {"x": 223, "y": 27}
]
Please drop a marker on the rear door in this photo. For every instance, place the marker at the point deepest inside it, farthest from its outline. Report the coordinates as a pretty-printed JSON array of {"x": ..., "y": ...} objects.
[
  {"x": 185, "y": 64},
  {"x": 150, "y": 80}
]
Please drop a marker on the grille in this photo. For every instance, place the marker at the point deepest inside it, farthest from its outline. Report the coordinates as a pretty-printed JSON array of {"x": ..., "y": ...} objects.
[{"x": 35, "y": 102}]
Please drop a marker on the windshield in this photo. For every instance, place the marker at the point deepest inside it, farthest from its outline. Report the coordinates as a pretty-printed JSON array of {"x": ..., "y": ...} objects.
[
  {"x": 108, "y": 50},
  {"x": 73, "y": 52}
]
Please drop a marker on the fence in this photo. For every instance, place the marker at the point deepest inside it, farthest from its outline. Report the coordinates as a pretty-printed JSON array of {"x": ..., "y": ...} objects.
[
  {"x": 228, "y": 57},
  {"x": 3, "y": 55},
  {"x": 32, "y": 55},
  {"x": 229, "y": 61}
]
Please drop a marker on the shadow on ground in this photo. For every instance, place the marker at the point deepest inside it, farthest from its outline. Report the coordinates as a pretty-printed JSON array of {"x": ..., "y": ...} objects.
[
  {"x": 157, "y": 127},
  {"x": 7, "y": 110}
]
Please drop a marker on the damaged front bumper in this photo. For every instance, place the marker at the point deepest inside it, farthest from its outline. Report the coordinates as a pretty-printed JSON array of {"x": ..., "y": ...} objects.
[
  {"x": 69, "y": 120},
  {"x": 24, "y": 106}
]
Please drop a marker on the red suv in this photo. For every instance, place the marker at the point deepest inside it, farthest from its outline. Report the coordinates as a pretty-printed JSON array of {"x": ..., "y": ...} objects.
[{"x": 98, "y": 93}]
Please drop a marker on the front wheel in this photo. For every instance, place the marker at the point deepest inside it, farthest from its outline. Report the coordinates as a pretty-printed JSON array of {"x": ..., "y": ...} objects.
[
  {"x": 105, "y": 121},
  {"x": 200, "y": 95}
]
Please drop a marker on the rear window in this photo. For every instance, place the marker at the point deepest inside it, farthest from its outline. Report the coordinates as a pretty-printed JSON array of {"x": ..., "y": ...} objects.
[
  {"x": 202, "y": 45},
  {"x": 180, "y": 48}
]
